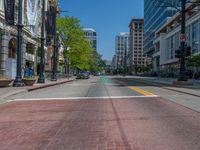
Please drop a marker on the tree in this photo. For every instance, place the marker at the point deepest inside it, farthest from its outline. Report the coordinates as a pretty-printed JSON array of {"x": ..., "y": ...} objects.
[
  {"x": 193, "y": 61},
  {"x": 97, "y": 63},
  {"x": 77, "y": 47}
]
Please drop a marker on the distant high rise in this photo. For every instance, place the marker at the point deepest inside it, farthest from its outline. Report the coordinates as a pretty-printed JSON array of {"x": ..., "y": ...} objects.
[
  {"x": 156, "y": 13},
  {"x": 121, "y": 49},
  {"x": 136, "y": 53},
  {"x": 91, "y": 35}
]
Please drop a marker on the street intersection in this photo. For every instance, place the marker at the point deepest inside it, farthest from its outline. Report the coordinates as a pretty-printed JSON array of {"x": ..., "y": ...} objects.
[{"x": 101, "y": 113}]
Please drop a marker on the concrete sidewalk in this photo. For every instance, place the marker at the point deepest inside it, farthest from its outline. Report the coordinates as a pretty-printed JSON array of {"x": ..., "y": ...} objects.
[
  {"x": 9, "y": 91},
  {"x": 167, "y": 83},
  {"x": 196, "y": 83}
]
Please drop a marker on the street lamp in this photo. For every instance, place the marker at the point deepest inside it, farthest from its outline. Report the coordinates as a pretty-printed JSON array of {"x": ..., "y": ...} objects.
[
  {"x": 182, "y": 72},
  {"x": 55, "y": 51},
  {"x": 41, "y": 78},
  {"x": 55, "y": 58},
  {"x": 18, "y": 80}
]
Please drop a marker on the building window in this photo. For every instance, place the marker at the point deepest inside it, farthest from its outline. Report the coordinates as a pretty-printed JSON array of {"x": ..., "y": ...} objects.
[
  {"x": 12, "y": 48},
  {"x": 195, "y": 37}
]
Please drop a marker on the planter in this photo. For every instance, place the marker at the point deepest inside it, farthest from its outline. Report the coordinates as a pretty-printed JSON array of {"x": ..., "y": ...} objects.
[
  {"x": 5, "y": 82},
  {"x": 29, "y": 82}
]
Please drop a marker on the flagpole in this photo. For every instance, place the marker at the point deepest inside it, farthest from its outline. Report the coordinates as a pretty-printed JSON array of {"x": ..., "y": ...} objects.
[
  {"x": 41, "y": 78},
  {"x": 18, "y": 80}
]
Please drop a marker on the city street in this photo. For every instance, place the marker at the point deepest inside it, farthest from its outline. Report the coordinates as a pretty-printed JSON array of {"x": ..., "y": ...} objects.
[{"x": 101, "y": 113}]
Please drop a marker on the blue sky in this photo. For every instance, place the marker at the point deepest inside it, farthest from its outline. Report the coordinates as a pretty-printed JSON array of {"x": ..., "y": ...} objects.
[{"x": 107, "y": 17}]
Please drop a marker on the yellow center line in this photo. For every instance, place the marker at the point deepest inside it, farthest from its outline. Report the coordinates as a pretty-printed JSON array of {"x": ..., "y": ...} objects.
[{"x": 141, "y": 91}]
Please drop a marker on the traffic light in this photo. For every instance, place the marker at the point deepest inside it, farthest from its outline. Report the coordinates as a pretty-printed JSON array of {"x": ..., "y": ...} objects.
[
  {"x": 188, "y": 51},
  {"x": 177, "y": 53}
]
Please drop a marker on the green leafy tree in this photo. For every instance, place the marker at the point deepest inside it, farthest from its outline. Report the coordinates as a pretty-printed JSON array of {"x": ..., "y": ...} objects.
[
  {"x": 193, "y": 61},
  {"x": 97, "y": 63},
  {"x": 77, "y": 47}
]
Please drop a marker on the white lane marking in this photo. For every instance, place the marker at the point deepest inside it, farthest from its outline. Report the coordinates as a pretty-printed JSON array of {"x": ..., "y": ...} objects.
[{"x": 83, "y": 98}]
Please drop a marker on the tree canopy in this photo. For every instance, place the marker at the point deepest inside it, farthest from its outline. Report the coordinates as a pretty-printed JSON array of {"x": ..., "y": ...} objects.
[
  {"x": 77, "y": 47},
  {"x": 193, "y": 61}
]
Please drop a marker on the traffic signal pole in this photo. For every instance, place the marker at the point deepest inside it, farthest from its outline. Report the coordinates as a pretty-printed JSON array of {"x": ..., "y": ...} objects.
[{"x": 182, "y": 73}]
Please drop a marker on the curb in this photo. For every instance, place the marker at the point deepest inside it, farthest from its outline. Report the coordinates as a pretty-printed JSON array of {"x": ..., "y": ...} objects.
[
  {"x": 12, "y": 94},
  {"x": 32, "y": 89},
  {"x": 48, "y": 85}
]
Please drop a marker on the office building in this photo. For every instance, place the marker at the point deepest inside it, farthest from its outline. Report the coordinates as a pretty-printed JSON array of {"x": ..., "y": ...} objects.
[
  {"x": 167, "y": 40},
  {"x": 121, "y": 49},
  {"x": 156, "y": 13},
  {"x": 136, "y": 56},
  {"x": 91, "y": 35}
]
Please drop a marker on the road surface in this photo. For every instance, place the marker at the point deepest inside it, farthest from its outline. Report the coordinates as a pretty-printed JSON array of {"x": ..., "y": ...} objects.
[{"x": 102, "y": 113}]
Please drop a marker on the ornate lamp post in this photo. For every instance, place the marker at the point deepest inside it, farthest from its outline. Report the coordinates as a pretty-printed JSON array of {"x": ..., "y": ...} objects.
[
  {"x": 18, "y": 80},
  {"x": 55, "y": 58},
  {"x": 41, "y": 78}
]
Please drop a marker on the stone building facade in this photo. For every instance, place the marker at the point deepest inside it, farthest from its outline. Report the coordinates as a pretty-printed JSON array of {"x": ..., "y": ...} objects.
[{"x": 8, "y": 46}]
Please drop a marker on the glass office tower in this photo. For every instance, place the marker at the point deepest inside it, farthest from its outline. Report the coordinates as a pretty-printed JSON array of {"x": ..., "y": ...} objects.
[
  {"x": 91, "y": 35},
  {"x": 122, "y": 41},
  {"x": 156, "y": 13}
]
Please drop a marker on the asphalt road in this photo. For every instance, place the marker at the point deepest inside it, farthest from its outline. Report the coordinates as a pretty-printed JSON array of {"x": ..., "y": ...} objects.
[
  {"x": 98, "y": 114},
  {"x": 94, "y": 87}
]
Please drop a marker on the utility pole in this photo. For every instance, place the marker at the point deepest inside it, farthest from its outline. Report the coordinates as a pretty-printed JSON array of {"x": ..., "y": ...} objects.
[
  {"x": 182, "y": 73},
  {"x": 18, "y": 80},
  {"x": 41, "y": 78}
]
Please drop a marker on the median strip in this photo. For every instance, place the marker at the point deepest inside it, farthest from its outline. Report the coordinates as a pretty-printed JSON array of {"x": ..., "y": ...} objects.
[{"x": 141, "y": 91}]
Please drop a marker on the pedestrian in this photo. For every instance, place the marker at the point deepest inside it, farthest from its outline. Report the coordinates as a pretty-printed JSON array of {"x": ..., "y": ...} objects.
[
  {"x": 26, "y": 72},
  {"x": 22, "y": 72},
  {"x": 30, "y": 72}
]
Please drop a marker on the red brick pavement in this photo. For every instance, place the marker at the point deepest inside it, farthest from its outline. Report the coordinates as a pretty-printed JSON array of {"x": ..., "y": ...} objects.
[{"x": 128, "y": 124}]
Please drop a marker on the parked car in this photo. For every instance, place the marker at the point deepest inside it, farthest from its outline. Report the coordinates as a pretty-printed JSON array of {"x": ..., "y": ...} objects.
[{"x": 83, "y": 75}]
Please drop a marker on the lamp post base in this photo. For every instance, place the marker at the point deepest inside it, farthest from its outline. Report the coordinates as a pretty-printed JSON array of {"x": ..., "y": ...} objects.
[
  {"x": 18, "y": 82},
  {"x": 53, "y": 78},
  {"x": 41, "y": 80}
]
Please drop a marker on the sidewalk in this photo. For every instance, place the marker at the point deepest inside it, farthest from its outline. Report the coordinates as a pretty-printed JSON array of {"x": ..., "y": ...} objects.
[
  {"x": 167, "y": 83},
  {"x": 196, "y": 83},
  {"x": 9, "y": 91}
]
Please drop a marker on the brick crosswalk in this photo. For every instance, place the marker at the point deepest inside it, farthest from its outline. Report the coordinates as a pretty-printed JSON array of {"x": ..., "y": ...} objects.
[{"x": 103, "y": 124}]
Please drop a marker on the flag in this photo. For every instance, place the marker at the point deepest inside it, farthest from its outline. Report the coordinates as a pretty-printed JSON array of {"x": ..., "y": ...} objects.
[
  {"x": 51, "y": 22},
  {"x": 32, "y": 12},
  {"x": 9, "y": 6}
]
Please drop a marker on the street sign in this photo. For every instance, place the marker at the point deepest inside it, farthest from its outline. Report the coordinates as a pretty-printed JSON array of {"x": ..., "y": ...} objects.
[{"x": 183, "y": 38}]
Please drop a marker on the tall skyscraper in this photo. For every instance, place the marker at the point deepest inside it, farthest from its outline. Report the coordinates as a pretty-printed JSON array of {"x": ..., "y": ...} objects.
[
  {"x": 121, "y": 49},
  {"x": 91, "y": 35},
  {"x": 137, "y": 58},
  {"x": 156, "y": 13}
]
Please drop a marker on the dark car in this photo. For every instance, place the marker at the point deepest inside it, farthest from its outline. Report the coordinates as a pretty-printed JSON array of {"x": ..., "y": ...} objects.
[{"x": 83, "y": 75}]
